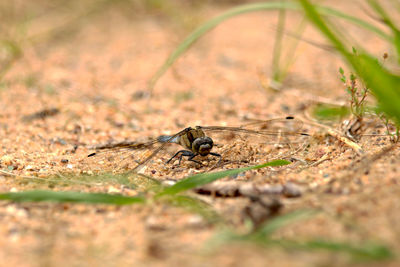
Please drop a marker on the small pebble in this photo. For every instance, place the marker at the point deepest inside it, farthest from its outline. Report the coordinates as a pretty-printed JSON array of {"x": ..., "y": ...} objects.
[
  {"x": 196, "y": 221},
  {"x": 6, "y": 160},
  {"x": 18, "y": 212},
  {"x": 155, "y": 224},
  {"x": 112, "y": 189},
  {"x": 168, "y": 182},
  {"x": 29, "y": 168},
  {"x": 140, "y": 94},
  {"x": 64, "y": 161},
  {"x": 291, "y": 190}
]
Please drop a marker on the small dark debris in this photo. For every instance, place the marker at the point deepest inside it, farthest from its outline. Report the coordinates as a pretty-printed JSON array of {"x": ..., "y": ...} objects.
[
  {"x": 285, "y": 108},
  {"x": 262, "y": 208},
  {"x": 77, "y": 129},
  {"x": 101, "y": 210},
  {"x": 155, "y": 224},
  {"x": 74, "y": 148},
  {"x": 58, "y": 141},
  {"x": 4, "y": 126},
  {"x": 226, "y": 61},
  {"x": 13, "y": 231},
  {"x": 65, "y": 83},
  {"x": 64, "y": 161},
  {"x": 140, "y": 95},
  {"x": 43, "y": 114},
  {"x": 154, "y": 250},
  {"x": 234, "y": 176},
  {"x": 114, "y": 123},
  {"x": 291, "y": 190}
]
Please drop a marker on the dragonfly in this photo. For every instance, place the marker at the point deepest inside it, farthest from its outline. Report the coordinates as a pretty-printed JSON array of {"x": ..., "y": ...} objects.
[{"x": 198, "y": 142}]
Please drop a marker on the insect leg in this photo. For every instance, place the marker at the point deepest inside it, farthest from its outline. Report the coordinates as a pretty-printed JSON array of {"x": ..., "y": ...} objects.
[
  {"x": 191, "y": 158},
  {"x": 216, "y": 155},
  {"x": 182, "y": 153}
]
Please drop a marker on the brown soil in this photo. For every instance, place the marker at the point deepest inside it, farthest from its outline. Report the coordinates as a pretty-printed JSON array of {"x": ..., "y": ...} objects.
[{"x": 96, "y": 79}]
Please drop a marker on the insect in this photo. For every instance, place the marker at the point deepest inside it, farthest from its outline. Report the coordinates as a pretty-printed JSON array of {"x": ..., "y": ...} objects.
[{"x": 198, "y": 141}]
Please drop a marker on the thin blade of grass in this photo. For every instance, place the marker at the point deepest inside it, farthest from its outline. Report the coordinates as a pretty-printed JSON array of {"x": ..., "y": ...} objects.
[
  {"x": 384, "y": 85},
  {"x": 209, "y": 25},
  {"x": 282, "y": 221},
  {"x": 13, "y": 52},
  {"x": 277, "y": 76},
  {"x": 136, "y": 181},
  {"x": 363, "y": 252},
  {"x": 262, "y": 237},
  {"x": 330, "y": 112},
  {"x": 292, "y": 47},
  {"x": 195, "y": 205},
  {"x": 388, "y": 22},
  {"x": 357, "y": 21},
  {"x": 315, "y": 17},
  {"x": 67, "y": 196},
  {"x": 357, "y": 252},
  {"x": 242, "y": 9},
  {"x": 205, "y": 178}
]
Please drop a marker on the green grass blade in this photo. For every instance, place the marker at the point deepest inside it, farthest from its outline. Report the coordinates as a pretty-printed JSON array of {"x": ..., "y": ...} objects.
[
  {"x": 384, "y": 85},
  {"x": 195, "y": 205},
  {"x": 136, "y": 181},
  {"x": 13, "y": 52},
  {"x": 66, "y": 196},
  {"x": 365, "y": 252},
  {"x": 205, "y": 178},
  {"x": 209, "y": 25},
  {"x": 277, "y": 75},
  {"x": 327, "y": 11},
  {"x": 375, "y": 5},
  {"x": 357, "y": 252},
  {"x": 291, "y": 48},
  {"x": 262, "y": 237},
  {"x": 330, "y": 112},
  {"x": 315, "y": 17}
]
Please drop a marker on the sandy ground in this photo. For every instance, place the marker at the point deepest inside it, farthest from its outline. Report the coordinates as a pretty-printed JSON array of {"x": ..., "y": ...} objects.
[{"x": 96, "y": 80}]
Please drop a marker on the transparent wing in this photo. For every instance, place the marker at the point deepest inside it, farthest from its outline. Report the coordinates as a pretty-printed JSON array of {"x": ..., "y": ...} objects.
[
  {"x": 276, "y": 131},
  {"x": 127, "y": 156},
  {"x": 287, "y": 125},
  {"x": 258, "y": 141}
]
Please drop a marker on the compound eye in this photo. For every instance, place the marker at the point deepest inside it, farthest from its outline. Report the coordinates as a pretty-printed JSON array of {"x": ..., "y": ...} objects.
[
  {"x": 205, "y": 149},
  {"x": 209, "y": 141},
  {"x": 202, "y": 145}
]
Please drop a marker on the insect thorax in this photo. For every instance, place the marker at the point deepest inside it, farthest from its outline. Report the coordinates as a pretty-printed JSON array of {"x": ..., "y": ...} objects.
[{"x": 192, "y": 134}]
